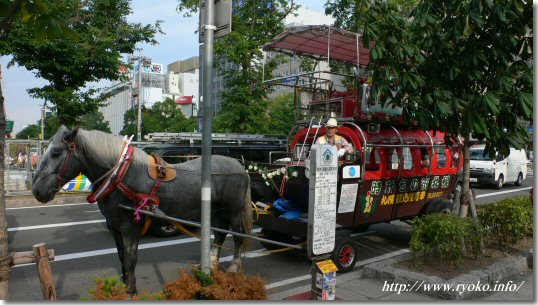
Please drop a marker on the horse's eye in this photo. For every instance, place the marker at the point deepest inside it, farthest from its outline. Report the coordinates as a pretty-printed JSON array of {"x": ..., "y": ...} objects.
[{"x": 55, "y": 153}]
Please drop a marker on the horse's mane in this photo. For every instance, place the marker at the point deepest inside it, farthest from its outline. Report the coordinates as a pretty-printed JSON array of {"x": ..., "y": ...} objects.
[{"x": 105, "y": 148}]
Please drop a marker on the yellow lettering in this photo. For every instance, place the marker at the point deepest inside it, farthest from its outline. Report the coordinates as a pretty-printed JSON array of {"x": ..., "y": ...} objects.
[
  {"x": 422, "y": 195},
  {"x": 386, "y": 200},
  {"x": 399, "y": 198}
]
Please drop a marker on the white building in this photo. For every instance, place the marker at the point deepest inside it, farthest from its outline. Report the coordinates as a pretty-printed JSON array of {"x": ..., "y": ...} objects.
[{"x": 180, "y": 84}]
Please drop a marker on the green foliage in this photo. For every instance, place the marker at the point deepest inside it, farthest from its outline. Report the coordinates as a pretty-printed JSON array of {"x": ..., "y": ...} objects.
[
  {"x": 111, "y": 288},
  {"x": 162, "y": 116},
  {"x": 70, "y": 65},
  {"x": 39, "y": 17},
  {"x": 281, "y": 112},
  {"x": 244, "y": 102},
  {"x": 440, "y": 235},
  {"x": 29, "y": 132},
  {"x": 89, "y": 121},
  {"x": 457, "y": 65},
  {"x": 508, "y": 221},
  {"x": 94, "y": 121},
  {"x": 204, "y": 278}
]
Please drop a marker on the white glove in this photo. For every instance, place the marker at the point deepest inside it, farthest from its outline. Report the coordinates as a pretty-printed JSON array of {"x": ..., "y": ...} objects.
[{"x": 341, "y": 152}]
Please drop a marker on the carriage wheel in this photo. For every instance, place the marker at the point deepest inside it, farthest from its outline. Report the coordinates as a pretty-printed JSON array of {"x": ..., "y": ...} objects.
[
  {"x": 344, "y": 255},
  {"x": 164, "y": 229},
  {"x": 439, "y": 206}
]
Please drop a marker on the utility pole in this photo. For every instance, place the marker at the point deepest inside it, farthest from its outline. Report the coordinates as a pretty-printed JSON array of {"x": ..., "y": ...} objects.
[
  {"x": 142, "y": 61},
  {"x": 43, "y": 121},
  {"x": 206, "y": 135},
  {"x": 139, "y": 92}
]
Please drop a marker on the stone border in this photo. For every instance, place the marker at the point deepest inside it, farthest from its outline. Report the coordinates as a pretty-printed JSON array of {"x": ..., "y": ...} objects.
[
  {"x": 502, "y": 270},
  {"x": 60, "y": 198}
]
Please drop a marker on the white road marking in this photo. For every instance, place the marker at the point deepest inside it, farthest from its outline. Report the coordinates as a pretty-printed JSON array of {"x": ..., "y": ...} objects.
[
  {"x": 54, "y": 225},
  {"x": 504, "y": 192},
  {"x": 48, "y": 206},
  {"x": 64, "y": 257}
]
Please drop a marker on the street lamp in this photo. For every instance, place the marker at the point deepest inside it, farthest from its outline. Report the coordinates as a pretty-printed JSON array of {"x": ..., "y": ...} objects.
[{"x": 145, "y": 61}]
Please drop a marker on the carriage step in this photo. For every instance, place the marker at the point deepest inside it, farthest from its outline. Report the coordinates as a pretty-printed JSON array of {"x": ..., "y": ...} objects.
[{"x": 362, "y": 233}]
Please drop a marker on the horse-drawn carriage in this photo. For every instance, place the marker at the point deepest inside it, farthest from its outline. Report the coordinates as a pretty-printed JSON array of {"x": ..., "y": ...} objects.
[
  {"x": 396, "y": 171},
  {"x": 385, "y": 178}
]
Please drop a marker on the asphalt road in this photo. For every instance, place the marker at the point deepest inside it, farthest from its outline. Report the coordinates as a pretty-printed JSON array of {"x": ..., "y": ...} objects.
[{"x": 85, "y": 250}]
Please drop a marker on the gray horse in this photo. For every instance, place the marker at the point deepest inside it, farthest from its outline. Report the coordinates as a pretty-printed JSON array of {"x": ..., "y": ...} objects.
[{"x": 94, "y": 153}]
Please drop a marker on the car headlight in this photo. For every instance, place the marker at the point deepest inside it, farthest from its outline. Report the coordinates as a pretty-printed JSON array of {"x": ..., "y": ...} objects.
[{"x": 489, "y": 170}]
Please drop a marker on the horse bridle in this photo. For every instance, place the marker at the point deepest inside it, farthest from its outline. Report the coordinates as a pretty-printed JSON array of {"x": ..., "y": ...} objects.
[{"x": 71, "y": 149}]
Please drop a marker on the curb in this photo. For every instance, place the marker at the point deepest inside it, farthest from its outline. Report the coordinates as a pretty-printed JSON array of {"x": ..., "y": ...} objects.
[
  {"x": 504, "y": 269},
  {"x": 28, "y": 200}
]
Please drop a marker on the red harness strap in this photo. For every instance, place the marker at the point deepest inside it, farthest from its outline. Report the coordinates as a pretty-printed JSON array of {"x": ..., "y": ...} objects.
[{"x": 140, "y": 199}]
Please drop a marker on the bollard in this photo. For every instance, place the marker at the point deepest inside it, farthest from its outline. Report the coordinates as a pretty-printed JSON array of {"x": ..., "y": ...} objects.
[{"x": 44, "y": 271}]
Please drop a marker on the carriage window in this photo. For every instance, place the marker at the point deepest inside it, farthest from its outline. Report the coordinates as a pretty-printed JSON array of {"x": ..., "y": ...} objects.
[
  {"x": 393, "y": 164},
  {"x": 305, "y": 151},
  {"x": 371, "y": 158},
  {"x": 454, "y": 152},
  {"x": 441, "y": 157},
  {"x": 407, "y": 158}
]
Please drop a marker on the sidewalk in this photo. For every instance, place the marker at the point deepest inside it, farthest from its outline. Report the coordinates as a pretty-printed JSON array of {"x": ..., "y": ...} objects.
[{"x": 353, "y": 287}]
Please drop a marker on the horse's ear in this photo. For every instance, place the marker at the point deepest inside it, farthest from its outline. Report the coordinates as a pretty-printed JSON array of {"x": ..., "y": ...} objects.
[{"x": 71, "y": 135}]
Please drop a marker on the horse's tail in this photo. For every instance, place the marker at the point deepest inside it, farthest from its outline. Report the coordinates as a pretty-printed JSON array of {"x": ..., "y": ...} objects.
[{"x": 247, "y": 218}]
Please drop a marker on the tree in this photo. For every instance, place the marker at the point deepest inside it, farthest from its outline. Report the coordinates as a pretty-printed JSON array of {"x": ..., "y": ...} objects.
[
  {"x": 162, "y": 116},
  {"x": 245, "y": 100},
  {"x": 36, "y": 23},
  {"x": 94, "y": 121},
  {"x": 43, "y": 23},
  {"x": 281, "y": 112},
  {"x": 88, "y": 121},
  {"x": 69, "y": 65},
  {"x": 348, "y": 13},
  {"x": 463, "y": 67},
  {"x": 29, "y": 132}
]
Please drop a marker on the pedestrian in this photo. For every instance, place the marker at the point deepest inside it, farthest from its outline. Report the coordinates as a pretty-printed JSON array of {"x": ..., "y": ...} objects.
[
  {"x": 331, "y": 138},
  {"x": 22, "y": 159}
]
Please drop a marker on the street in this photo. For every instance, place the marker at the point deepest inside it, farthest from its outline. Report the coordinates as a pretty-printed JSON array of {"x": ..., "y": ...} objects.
[{"x": 85, "y": 250}]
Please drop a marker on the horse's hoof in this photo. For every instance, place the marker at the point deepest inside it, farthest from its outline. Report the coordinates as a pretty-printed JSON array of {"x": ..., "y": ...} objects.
[{"x": 234, "y": 268}]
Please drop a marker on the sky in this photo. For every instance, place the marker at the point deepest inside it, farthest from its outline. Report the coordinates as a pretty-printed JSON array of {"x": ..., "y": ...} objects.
[{"x": 177, "y": 43}]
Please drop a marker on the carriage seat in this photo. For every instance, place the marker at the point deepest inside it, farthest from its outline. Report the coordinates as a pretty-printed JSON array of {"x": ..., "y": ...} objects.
[{"x": 158, "y": 169}]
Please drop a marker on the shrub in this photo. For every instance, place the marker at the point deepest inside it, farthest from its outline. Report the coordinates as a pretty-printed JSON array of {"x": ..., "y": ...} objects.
[
  {"x": 194, "y": 286},
  {"x": 111, "y": 288},
  {"x": 440, "y": 236},
  {"x": 507, "y": 221}
]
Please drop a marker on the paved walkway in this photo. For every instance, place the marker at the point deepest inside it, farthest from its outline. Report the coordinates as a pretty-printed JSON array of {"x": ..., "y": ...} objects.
[{"x": 353, "y": 287}]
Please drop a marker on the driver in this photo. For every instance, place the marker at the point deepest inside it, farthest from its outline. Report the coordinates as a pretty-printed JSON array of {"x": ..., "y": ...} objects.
[{"x": 331, "y": 138}]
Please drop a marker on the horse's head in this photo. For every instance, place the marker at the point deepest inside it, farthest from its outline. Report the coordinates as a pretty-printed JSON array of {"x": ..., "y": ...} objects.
[{"x": 59, "y": 165}]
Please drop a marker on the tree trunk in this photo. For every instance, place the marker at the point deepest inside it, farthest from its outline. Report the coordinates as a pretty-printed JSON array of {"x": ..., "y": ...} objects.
[
  {"x": 464, "y": 202},
  {"x": 5, "y": 256}
]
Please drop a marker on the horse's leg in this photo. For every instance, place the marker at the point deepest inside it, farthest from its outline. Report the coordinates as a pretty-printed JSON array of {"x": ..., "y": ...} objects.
[
  {"x": 217, "y": 242},
  {"x": 119, "y": 246},
  {"x": 235, "y": 266},
  {"x": 130, "y": 238}
]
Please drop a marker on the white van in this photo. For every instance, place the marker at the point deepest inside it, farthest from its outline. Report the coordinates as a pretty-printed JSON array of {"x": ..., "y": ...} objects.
[{"x": 498, "y": 170}]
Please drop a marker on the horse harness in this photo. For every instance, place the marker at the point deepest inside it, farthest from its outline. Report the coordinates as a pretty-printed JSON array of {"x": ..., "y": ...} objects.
[
  {"x": 71, "y": 149},
  {"x": 114, "y": 180}
]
